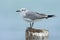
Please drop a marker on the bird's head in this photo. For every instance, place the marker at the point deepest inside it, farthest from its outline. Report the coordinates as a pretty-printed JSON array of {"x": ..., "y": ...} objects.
[{"x": 21, "y": 10}]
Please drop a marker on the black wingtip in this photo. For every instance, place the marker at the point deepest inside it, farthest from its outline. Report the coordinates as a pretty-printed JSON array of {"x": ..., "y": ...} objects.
[{"x": 51, "y": 16}]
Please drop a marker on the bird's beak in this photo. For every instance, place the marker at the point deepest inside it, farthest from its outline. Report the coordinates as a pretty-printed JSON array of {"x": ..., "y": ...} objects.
[{"x": 18, "y": 11}]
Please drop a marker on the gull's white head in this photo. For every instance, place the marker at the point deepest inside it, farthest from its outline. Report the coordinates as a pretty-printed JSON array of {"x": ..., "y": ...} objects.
[{"x": 22, "y": 10}]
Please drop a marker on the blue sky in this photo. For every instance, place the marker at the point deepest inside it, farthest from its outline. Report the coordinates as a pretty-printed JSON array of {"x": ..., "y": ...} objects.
[{"x": 12, "y": 25}]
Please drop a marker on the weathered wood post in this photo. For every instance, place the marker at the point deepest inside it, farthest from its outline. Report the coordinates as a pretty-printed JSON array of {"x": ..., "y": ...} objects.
[{"x": 36, "y": 34}]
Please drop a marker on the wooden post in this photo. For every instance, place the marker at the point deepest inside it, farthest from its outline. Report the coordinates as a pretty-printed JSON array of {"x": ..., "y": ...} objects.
[{"x": 36, "y": 34}]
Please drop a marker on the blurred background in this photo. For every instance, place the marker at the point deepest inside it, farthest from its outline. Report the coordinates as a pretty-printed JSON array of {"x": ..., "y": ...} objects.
[{"x": 12, "y": 25}]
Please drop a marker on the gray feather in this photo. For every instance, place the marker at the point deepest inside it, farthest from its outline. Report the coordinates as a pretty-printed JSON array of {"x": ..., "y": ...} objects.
[{"x": 34, "y": 15}]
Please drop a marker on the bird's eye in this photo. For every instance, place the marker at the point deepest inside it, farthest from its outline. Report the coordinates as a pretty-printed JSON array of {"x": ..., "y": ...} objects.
[{"x": 23, "y": 10}]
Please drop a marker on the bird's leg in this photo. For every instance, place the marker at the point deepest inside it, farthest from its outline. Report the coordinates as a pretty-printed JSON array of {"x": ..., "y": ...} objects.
[{"x": 32, "y": 24}]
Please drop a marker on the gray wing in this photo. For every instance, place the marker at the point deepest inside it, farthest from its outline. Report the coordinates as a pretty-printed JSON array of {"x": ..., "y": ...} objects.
[{"x": 35, "y": 15}]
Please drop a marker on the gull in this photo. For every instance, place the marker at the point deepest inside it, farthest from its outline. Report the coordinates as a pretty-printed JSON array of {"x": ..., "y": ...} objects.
[{"x": 31, "y": 16}]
